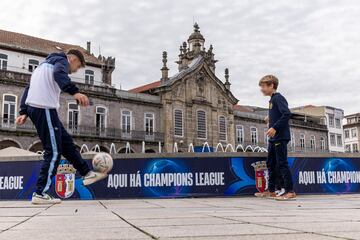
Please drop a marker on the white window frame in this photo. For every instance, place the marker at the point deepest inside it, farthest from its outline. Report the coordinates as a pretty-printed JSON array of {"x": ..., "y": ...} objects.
[
  {"x": 357, "y": 148},
  {"x": 251, "y": 135},
  {"x": 182, "y": 122},
  {"x": 348, "y": 148},
  {"x": 3, "y": 58},
  {"x": 312, "y": 142},
  {"x": 347, "y": 133},
  {"x": 331, "y": 123},
  {"x": 33, "y": 63},
  {"x": 91, "y": 76},
  {"x": 322, "y": 143},
  {"x": 225, "y": 128},
  {"x": 239, "y": 129},
  {"x": 9, "y": 103},
  {"x": 73, "y": 129},
  {"x": 337, "y": 142},
  {"x": 130, "y": 120},
  {"x": 153, "y": 123},
  {"x": 292, "y": 141},
  {"x": 333, "y": 144},
  {"x": 353, "y": 130},
  {"x": 197, "y": 123},
  {"x": 105, "y": 120},
  {"x": 302, "y": 141},
  {"x": 337, "y": 120}
]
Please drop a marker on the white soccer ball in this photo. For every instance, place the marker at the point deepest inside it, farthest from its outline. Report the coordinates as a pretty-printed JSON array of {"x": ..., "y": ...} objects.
[{"x": 102, "y": 162}]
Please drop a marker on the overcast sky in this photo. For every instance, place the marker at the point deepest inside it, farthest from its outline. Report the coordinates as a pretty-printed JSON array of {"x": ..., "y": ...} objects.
[{"x": 312, "y": 46}]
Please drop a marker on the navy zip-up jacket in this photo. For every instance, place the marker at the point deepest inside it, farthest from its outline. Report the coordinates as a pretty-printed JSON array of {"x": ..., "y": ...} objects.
[
  {"x": 48, "y": 79},
  {"x": 279, "y": 115}
]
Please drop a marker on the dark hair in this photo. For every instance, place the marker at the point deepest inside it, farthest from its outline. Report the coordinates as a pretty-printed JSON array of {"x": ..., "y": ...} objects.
[
  {"x": 268, "y": 80},
  {"x": 78, "y": 54}
]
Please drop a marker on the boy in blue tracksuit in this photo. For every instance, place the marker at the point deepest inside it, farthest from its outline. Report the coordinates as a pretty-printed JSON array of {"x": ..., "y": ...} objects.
[
  {"x": 279, "y": 137},
  {"x": 40, "y": 102}
]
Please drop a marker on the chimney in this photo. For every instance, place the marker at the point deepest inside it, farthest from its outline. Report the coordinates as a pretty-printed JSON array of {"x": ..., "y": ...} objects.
[{"x": 88, "y": 47}]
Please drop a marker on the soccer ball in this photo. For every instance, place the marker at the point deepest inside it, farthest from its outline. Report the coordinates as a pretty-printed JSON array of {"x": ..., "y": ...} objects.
[{"x": 102, "y": 162}]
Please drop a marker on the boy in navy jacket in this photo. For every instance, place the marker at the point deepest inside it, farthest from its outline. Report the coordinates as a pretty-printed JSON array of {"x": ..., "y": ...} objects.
[
  {"x": 279, "y": 136},
  {"x": 40, "y": 102}
]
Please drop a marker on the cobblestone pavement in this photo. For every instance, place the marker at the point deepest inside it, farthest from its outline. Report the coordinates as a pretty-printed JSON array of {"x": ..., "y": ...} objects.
[{"x": 309, "y": 217}]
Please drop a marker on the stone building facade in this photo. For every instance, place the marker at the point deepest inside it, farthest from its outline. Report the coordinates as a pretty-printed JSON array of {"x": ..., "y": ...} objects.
[
  {"x": 194, "y": 107},
  {"x": 332, "y": 118},
  {"x": 351, "y": 133}
]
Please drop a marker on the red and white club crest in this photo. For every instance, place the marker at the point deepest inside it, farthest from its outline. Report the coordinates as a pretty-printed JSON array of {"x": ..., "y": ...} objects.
[
  {"x": 261, "y": 175},
  {"x": 65, "y": 180}
]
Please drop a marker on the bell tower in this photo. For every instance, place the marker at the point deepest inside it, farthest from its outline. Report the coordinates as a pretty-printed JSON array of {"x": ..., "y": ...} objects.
[
  {"x": 196, "y": 40},
  {"x": 193, "y": 48}
]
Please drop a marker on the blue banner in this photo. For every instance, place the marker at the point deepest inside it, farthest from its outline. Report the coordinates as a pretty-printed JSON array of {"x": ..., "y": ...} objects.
[{"x": 184, "y": 177}]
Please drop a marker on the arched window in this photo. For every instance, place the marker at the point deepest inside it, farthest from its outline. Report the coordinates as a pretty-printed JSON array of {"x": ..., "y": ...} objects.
[
  {"x": 126, "y": 122},
  {"x": 9, "y": 110},
  {"x": 178, "y": 123},
  {"x": 100, "y": 120},
  {"x": 240, "y": 134},
  {"x": 222, "y": 128},
  {"x": 292, "y": 141},
  {"x": 322, "y": 143},
  {"x": 33, "y": 64},
  {"x": 302, "y": 141},
  {"x": 254, "y": 135},
  {"x": 201, "y": 124},
  {"x": 3, "y": 61},
  {"x": 312, "y": 142},
  {"x": 73, "y": 117},
  {"x": 89, "y": 77}
]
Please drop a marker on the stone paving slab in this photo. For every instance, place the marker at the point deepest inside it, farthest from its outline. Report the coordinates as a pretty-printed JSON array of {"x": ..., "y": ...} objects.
[{"x": 310, "y": 217}]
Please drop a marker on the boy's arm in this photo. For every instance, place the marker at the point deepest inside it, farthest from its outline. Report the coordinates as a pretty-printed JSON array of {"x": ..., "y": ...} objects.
[
  {"x": 61, "y": 71},
  {"x": 23, "y": 106},
  {"x": 285, "y": 113}
]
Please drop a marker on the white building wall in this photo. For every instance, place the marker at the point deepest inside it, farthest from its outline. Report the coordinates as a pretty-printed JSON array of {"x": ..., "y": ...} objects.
[
  {"x": 19, "y": 62},
  {"x": 352, "y": 140},
  {"x": 335, "y": 130}
]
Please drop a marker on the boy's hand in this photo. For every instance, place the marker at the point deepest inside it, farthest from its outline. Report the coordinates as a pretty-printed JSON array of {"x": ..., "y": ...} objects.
[
  {"x": 271, "y": 132},
  {"x": 81, "y": 99},
  {"x": 20, "y": 120}
]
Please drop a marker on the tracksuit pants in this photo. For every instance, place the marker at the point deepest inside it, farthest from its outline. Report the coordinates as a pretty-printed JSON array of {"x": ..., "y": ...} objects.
[
  {"x": 56, "y": 141},
  {"x": 278, "y": 166}
]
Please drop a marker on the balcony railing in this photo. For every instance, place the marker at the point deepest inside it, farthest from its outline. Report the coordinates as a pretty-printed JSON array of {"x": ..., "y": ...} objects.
[
  {"x": 296, "y": 122},
  {"x": 89, "y": 131},
  {"x": 291, "y": 148}
]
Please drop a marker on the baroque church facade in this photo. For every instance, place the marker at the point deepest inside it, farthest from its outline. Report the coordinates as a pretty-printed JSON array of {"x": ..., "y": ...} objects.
[{"x": 193, "y": 107}]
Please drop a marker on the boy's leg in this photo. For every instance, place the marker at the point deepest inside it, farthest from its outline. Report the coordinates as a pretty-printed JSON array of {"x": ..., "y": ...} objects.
[
  {"x": 281, "y": 157},
  {"x": 47, "y": 125},
  {"x": 70, "y": 152},
  {"x": 271, "y": 165}
]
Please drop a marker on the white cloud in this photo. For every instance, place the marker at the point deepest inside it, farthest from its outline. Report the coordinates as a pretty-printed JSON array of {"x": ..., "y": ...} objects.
[{"x": 313, "y": 46}]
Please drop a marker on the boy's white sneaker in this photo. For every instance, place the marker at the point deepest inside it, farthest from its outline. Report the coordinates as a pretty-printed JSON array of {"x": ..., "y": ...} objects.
[
  {"x": 44, "y": 199},
  {"x": 280, "y": 192},
  {"x": 93, "y": 177}
]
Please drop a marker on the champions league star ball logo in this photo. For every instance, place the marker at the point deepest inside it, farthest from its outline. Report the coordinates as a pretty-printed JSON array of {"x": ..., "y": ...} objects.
[
  {"x": 65, "y": 180},
  {"x": 261, "y": 175}
]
